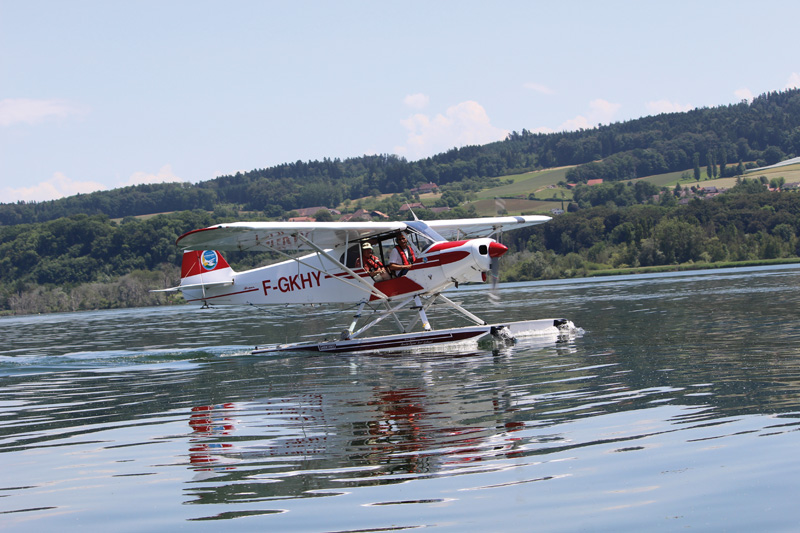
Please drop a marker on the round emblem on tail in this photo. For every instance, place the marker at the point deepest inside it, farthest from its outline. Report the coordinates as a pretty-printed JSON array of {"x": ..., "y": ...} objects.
[{"x": 209, "y": 259}]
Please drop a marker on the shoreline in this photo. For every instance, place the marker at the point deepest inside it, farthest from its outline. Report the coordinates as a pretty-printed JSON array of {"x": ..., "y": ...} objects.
[
  {"x": 689, "y": 266},
  {"x": 686, "y": 267}
]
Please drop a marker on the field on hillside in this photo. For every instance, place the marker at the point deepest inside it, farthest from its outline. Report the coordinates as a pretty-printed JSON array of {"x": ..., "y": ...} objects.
[
  {"x": 668, "y": 179},
  {"x": 489, "y": 207},
  {"x": 527, "y": 183},
  {"x": 791, "y": 173},
  {"x": 543, "y": 184}
]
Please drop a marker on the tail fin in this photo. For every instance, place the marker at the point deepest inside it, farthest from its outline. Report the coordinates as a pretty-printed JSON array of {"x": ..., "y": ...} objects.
[
  {"x": 201, "y": 270},
  {"x": 197, "y": 262}
]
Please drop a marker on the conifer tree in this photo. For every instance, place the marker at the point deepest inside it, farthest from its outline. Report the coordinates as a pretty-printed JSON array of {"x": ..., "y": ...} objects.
[{"x": 697, "y": 166}]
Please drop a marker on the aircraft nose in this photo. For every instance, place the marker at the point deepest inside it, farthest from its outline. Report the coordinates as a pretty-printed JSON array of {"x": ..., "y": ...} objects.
[{"x": 496, "y": 249}]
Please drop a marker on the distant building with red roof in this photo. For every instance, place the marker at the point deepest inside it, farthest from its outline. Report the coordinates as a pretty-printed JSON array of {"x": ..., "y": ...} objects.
[{"x": 406, "y": 207}]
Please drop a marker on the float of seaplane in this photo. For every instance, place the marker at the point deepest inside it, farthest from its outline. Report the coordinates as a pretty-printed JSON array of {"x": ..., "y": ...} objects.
[{"x": 386, "y": 270}]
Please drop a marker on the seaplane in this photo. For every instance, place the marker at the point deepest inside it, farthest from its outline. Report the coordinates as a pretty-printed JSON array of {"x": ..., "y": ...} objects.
[{"x": 398, "y": 269}]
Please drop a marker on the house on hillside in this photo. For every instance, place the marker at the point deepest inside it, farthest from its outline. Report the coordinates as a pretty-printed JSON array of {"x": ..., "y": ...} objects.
[
  {"x": 308, "y": 211},
  {"x": 597, "y": 181},
  {"x": 425, "y": 188},
  {"x": 711, "y": 192},
  {"x": 406, "y": 207},
  {"x": 311, "y": 211},
  {"x": 360, "y": 215}
]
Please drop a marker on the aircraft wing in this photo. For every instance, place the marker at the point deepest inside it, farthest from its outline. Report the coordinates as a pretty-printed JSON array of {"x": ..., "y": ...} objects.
[
  {"x": 471, "y": 228},
  {"x": 282, "y": 236}
]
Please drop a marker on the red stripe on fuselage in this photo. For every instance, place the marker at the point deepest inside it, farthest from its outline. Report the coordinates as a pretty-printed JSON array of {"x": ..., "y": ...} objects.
[
  {"x": 439, "y": 246},
  {"x": 221, "y": 295},
  {"x": 396, "y": 286},
  {"x": 436, "y": 261}
]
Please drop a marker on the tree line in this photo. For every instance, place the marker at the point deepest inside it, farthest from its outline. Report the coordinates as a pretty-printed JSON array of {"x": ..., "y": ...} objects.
[
  {"x": 719, "y": 138},
  {"x": 71, "y": 254},
  {"x": 765, "y": 130},
  {"x": 748, "y": 223},
  {"x": 92, "y": 262}
]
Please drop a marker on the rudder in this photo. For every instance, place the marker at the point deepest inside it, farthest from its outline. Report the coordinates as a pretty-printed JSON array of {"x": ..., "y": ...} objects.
[{"x": 197, "y": 262}]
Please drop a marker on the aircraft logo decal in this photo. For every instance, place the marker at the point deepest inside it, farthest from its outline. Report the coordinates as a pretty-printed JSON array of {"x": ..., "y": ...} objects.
[{"x": 209, "y": 260}]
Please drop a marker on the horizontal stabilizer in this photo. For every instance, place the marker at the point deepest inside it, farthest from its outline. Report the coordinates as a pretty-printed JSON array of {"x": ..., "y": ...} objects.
[{"x": 196, "y": 286}]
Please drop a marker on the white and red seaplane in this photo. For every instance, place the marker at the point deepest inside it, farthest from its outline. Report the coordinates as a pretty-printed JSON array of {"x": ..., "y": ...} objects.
[{"x": 340, "y": 270}]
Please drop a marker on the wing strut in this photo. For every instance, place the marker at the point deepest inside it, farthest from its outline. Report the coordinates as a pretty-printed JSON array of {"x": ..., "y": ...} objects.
[
  {"x": 414, "y": 303},
  {"x": 461, "y": 310},
  {"x": 360, "y": 283}
]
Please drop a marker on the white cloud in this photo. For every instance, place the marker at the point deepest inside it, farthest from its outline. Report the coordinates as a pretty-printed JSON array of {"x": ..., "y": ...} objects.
[
  {"x": 56, "y": 187},
  {"x": 600, "y": 112},
  {"x": 60, "y": 186},
  {"x": 744, "y": 94},
  {"x": 416, "y": 101},
  {"x": 665, "y": 106},
  {"x": 794, "y": 81},
  {"x": 164, "y": 175},
  {"x": 539, "y": 88},
  {"x": 463, "y": 124},
  {"x": 577, "y": 123},
  {"x": 30, "y": 111},
  {"x": 542, "y": 129}
]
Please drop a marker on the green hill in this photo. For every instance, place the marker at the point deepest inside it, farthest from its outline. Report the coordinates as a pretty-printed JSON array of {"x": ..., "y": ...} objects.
[
  {"x": 766, "y": 130},
  {"x": 106, "y": 249}
]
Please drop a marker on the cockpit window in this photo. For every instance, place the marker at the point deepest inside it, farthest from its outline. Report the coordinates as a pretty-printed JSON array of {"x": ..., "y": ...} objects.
[{"x": 422, "y": 235}]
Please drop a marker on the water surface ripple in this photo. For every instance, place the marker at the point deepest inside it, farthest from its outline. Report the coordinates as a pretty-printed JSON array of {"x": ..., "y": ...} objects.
[{"x": 678, "y": 408}]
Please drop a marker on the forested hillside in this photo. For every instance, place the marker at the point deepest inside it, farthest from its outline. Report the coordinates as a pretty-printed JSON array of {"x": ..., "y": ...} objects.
[
  {"x": 71, "y": 254},
  {"x": 766, "y": 129},
  {"x": 746, "y": 224}
]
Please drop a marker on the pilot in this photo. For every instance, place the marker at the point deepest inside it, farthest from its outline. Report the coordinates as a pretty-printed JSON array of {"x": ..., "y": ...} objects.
[
  {"x": 373, "y": 264},
  {"x": 402, "y": 256}
]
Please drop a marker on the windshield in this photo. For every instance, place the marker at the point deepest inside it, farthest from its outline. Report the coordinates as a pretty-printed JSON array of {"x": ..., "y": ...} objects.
[{"x": 423, "y": 235}]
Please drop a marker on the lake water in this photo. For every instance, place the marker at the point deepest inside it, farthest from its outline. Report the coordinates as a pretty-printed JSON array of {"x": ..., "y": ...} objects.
[{"x": 678, "y": 408}]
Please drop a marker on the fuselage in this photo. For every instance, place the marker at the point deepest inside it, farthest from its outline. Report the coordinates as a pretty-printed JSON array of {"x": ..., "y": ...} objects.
[{"x": 320, "y": 278}]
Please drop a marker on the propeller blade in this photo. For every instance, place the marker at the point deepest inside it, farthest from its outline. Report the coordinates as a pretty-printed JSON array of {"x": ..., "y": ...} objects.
[
  {"x": 494, "y": 276},
  {"x": 496, "y": 250}
]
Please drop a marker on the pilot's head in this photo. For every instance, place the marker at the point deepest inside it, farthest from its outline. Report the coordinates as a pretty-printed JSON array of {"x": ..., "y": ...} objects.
[{"x": 366, "y": 248}]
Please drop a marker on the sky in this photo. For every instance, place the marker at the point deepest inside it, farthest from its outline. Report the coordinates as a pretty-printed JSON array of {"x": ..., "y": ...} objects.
[{"x": 98, "y": 94}]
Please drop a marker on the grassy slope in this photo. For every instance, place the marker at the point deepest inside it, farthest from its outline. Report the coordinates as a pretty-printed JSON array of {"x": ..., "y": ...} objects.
[
  {"x": 543, "y": 185},
  {"x": 524, "y": 184},
  {"x": 790, "y": 173},
  {"x": 514, "y": 195}
]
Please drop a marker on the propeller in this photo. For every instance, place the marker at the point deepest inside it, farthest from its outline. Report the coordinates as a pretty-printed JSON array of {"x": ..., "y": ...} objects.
[{"x": 496, "y": 250}]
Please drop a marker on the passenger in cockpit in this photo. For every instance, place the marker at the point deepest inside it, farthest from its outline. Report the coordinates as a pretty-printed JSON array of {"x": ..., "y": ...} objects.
[
  {"x": 372, "y": 264},
  {"x": 402, "y": 256}
]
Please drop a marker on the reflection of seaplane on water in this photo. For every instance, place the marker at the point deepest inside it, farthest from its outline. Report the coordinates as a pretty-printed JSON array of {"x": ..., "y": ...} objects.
[{"x": 356, "y": 263}]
